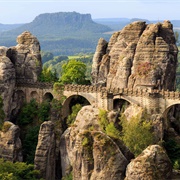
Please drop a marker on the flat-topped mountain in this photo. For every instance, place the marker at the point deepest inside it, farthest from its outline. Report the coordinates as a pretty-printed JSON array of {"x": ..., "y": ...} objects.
[
  {"x": 61, "y": 33},
  {"x": 61, "y": 23}
]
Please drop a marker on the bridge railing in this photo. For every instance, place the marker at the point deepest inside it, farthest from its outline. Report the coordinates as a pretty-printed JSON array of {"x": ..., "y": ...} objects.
[
  {"x": 30, "y": 83},
  {"x": 101, "y": 89},
  {"x": 84, "y": 88}
]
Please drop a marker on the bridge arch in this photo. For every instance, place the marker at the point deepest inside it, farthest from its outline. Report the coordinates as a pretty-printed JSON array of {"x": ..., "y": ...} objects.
[
  {"x": 34, "y": 95},
  {"x": 71, "y": 101},
  {"x": 170, "y": 115},
  {"x": 48, "y": 97},
  {"x": 120, "y": 104}
]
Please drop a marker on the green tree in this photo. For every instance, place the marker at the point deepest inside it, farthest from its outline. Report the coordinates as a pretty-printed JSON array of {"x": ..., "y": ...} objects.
[
  {"x": 71, "y": 118},
  {"x": 47, "y": 75},
  {"x": 137, "y": 133},
  {"x": 30, "y": 118},
  {"x": 73, "y": 72},
  {"x": 46, "y": 56},
  {"x": 17, "y": 171}
]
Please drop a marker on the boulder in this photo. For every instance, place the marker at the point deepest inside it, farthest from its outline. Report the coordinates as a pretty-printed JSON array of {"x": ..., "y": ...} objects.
[
  {"x": 88, "y": 152},
  {"x": 10, "y": 143},
  {"x": 153, "y": 163}
]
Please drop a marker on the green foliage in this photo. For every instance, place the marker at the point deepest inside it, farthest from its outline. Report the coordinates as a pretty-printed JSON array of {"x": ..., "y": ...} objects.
[
  {"x": 112, "y": 131},
  {"x": 47, "y": 75},
  {"x": 108, "y": 128},
  {"x": 71, "y": 118},
  {"x": 43, "y": 111},
  {"x": 28, "y": 113},
  {"x": 29, "y": 143},
  {"x": 56, "y": 105},
  {"x": 6, "y": 126},
  {"x": 173, "y": 151},
  {"x": 17, "y": 171},
  {"x": 58, "y": 87},
  {"x": 30, "y": 118},
  {"x": 55, "y": 65},
  {"x": 73, "y": 72},
  {"x": 102, "y": 119},
  {"x": 74, "y": 34},
  {"x": 2, "y": 114},
  {"x": 136, "y": 133},
  {"x": 68, "y": 177},
  {"x": 46, "y": 56},
  {"x": 176, "y": 164}
]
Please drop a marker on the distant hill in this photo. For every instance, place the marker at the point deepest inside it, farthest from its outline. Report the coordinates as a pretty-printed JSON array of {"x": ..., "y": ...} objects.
[
  {"x": 61, "y": 33},
  {"x": 68, "y": 33},
  {"x": 119, "y": 23},
  {"x": 113, "y": 23},
  {"x": 6, "y": 27}
]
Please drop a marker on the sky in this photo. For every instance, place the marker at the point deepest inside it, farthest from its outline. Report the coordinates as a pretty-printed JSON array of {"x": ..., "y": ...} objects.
[{"x": 24, "y": 11}]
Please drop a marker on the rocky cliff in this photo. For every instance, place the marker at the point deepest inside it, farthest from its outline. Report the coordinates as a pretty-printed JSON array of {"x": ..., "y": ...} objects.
[
  {"x": 87, "y": 152},
  {"x": 140, "y": 55},
  {"x": 21, "y": 62}
]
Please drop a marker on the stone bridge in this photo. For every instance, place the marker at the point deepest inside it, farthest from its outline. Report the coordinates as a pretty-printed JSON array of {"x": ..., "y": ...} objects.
[{"x": 155, "y": 101}]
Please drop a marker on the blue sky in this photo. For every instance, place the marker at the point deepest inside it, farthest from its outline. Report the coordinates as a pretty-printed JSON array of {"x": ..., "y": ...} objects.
[{"x": 24, "y": 11}]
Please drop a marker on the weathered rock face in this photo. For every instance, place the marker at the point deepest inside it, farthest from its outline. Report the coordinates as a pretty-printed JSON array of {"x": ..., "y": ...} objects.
[
  {"x": 100, "y": 51},
  {"x": 45, "y": 151},
  {"x": 26, "y": 57},
  {"x": 22, "y": 62},
  {"x": 10, "y": 143},
  {"x": 140, "y": 55},
  {"x": 153, "y": 163},
  {"x": 7, "y": 81},
  {"x": 88, "y": 152}
]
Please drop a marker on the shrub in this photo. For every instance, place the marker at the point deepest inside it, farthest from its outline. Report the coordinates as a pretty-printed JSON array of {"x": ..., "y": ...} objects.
[
  {"x": 108, "y": 128},
  {"x": 6, "y": 126},
  {"x": 71, "y": 118},
  {"x": 28, "y": 113},
  {"x": 173, "y": 151},
  {"x": 17, "y": 171},
  {"x": 30, "y": 118},
  {"x": 68, "y": 177},
  {"x": 112, "y": 131},
  {"x": 43, "y": 111},
  {"x": 103, "y": 120},
  {"x": 29, "y": 143},
  {"x": 136, "y": 133}
]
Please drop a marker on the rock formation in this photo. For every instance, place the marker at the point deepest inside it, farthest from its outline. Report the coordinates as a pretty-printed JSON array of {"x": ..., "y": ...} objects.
[
  {"x": 88, "y": 152},
  {"x": 21, "y": 62},
  {"x": 153, "y": 163},
  {"x": 45, "y": 151},
  {"x": 7, "y": 81},
  {"x": 26, "y": 57},
  {"x": 140, "y": 55},
  {"x": 10, "y": 143}
]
